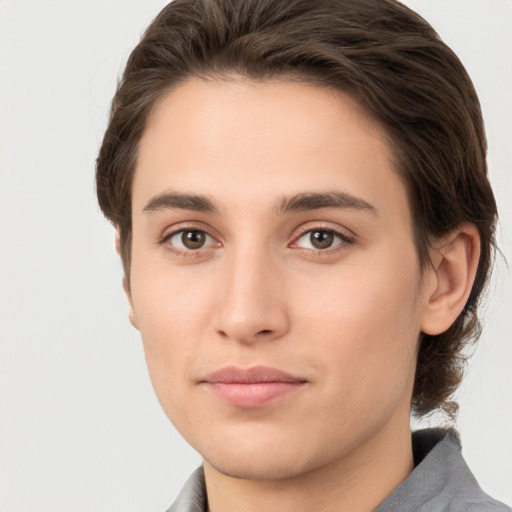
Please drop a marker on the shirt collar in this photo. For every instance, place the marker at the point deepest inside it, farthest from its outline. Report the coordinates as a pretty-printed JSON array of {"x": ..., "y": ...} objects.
[{"x": 441, "y": 480}]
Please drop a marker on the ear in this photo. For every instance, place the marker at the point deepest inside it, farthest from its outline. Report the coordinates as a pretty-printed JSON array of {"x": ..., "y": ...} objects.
[
  {"x": 118, "y": 243},
  {"x": 451, "y": 277},
  {"x": 131, "y": 313},
  {"x": 126, "y": 287}
]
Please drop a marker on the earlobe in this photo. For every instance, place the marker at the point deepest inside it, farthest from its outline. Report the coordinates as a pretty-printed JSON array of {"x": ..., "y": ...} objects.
[
  {"x": 454, "y": 266},
  {"x": 126, "y": 286},
  {"x": 118, "y": 243},
  {"x": 131, "y": 313}
]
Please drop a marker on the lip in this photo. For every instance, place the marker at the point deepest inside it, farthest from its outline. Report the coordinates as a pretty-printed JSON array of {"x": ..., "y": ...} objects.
[{"x": 251, "y": 387}]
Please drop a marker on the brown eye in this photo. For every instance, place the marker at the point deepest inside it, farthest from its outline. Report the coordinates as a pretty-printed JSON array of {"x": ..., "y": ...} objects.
[
  {"x": 190, "y": 240},
  {"x": 193, "y": 239},
  {"x": 321, "y": 239}
]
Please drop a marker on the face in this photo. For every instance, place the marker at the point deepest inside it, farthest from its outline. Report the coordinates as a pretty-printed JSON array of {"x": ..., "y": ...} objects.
[{"x": 274, "y": 277}]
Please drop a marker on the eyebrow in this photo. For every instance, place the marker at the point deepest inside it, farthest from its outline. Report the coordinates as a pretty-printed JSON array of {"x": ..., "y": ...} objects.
[
  {"x": 176, "y": 200},
  {"x": 296, "y": 203},
  {"x": 316, "y": 201}
]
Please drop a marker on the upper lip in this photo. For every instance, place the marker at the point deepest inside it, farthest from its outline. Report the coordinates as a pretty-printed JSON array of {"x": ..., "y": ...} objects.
[{"x": 253, "y": 375}]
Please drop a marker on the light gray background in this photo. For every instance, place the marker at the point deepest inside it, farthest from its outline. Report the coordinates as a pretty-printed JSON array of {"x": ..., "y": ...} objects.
[{"x": 80, "y": 428}]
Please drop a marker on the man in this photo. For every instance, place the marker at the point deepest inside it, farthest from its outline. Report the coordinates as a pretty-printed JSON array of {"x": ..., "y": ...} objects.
[{"x": 306, "y": 227}]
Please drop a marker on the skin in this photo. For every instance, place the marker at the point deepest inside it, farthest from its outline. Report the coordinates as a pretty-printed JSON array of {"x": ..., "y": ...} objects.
[{"x": 345, "y": 319}]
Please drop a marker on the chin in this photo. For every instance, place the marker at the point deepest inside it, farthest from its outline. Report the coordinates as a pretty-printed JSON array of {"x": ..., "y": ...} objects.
[
  {"x": 258, "y": 468},
  {"x": 264, "y": 457}
]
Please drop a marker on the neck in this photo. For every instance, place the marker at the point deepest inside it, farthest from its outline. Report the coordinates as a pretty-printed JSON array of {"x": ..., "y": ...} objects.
[{"x": 358, "y": 482}]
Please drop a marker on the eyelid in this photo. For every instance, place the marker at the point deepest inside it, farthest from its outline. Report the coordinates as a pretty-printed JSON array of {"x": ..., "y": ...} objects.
[
  {"x": 346, "y": 238},
  {"x": 207, "y": 243},
  {"x": 172, "y": 231},
  {"x": 344, "y": 232},
  {"x": 188, "y": 225}
]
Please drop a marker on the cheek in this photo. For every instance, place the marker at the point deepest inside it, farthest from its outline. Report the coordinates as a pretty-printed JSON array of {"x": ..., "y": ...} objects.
[
  {"x": 368, "y": 323},
  {"x": 171, "y": 311},
  {"x": 170, "y": 304}
]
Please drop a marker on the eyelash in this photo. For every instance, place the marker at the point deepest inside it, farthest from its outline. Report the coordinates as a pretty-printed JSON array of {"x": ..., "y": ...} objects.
[
  {"x": 344, "y": 240},
  {"x": 190, "y": 253}
]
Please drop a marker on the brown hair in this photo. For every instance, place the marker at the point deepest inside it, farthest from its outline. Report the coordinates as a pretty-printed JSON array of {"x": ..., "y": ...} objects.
[{"x": 398, "y": 68}]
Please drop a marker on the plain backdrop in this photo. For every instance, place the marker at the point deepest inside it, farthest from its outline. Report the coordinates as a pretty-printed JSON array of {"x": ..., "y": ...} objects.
[{"x": 80, "y": 428}]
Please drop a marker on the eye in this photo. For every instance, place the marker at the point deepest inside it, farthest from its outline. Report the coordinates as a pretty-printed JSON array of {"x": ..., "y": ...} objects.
[
  {"x": 190, "y": 239},
  {"x": 320, "y": 239}
]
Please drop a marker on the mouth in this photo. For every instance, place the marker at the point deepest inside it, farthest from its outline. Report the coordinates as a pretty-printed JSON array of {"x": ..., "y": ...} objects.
[{"x": 251, "y": 388}]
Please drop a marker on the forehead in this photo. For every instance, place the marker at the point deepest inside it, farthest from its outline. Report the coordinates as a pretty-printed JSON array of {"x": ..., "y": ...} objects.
[{"x": 262, "y": 139}]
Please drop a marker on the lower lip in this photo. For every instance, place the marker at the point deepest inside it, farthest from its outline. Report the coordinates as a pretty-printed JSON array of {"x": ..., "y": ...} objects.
[{"x": 252, "y": 395}]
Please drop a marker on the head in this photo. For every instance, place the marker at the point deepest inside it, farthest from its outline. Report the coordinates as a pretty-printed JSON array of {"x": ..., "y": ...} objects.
[{"x": 377, "y": 55}]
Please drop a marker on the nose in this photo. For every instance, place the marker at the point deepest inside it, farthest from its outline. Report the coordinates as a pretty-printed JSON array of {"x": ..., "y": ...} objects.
[{"x": 252, "y": 300}]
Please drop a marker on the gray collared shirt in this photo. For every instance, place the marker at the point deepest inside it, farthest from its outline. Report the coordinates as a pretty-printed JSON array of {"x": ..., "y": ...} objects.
[{"x": 440, "y": 482}]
